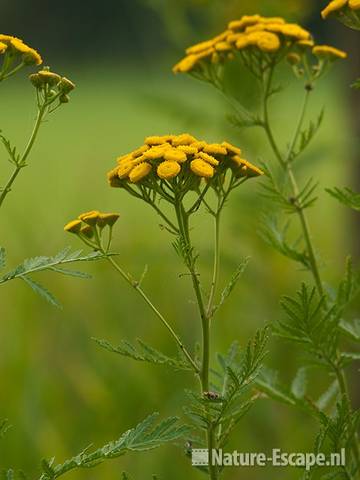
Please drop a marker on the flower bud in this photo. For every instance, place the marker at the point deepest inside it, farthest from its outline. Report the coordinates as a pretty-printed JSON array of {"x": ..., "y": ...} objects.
[
  {"x": 66, "y": 85},
  {"x": 64, "y": 98}
]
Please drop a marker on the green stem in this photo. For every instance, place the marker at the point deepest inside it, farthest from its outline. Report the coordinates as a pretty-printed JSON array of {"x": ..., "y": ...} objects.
[
  {"x": 183, "y": 221},
  {"x": 287, "y": 167},
  {"x": 143, "y": 295},
  {"x": 215, "y": 277},
  {"x": 22, "y": 161}
]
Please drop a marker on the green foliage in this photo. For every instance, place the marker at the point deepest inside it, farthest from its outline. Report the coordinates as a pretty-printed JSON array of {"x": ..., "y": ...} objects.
[
  {"x": 312, "y": 324},
  {"x": 223, "y": 408},
  {"x": 349, "y": 286},
  {"x": 346, "y": 196},
  {"x": 147, "y": 435},
  {"x": 143, "y": 352},
  {"x": 277, "y": 238},
  {"x": 351, "y": 329},
  {"x": 306, "y": 136},
  {"x": 4, "y": 427},
  {"x": 356, "y": 84},
  {"x": 278, "y": 192},
  {"x": 53, "y": 264},
  {"x": 232, "y": 283}
]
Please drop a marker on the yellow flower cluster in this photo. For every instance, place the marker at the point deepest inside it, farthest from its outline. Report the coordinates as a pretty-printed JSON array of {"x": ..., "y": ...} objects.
[
  {"x": 169, "y": 156},
  {"x": 15, "y": 47},
  {"x": 267, "y": 35},
  {"x": 87, "y": 222},
  {"x": 45, "y": 79},
  {"x": 337, "y": 6}
]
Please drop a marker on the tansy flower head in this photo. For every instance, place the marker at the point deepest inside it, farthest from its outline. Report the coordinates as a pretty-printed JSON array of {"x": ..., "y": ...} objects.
[
  {"x": 178, "y": 165},
  {"x": 257, "y": 38}
]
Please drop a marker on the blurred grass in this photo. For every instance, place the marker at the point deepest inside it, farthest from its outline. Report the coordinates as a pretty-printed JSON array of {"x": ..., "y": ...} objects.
[{"x": 59, "y": 390}]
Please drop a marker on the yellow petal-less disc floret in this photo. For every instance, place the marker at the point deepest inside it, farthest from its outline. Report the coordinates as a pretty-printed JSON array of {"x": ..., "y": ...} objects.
[
  {"x": 215, "y": 149},
  {"x": 208, "y": 158},
  {"x": 168, "y": 169},
  {"x": 183, "y": 139},
  {"x": 175, "y": 155},
  {"x": 139, "y": 172},
  {"x": 124, "y": 169},
  {"x": 267, "y": 42},
  {"x": 329, "y": 52},
  {"x": 333, "y": 6},
  {"x": 90, "y": 218},
  {"x": 231, "y": 148},
  {"x": 109, "y": 219},
  {"x": 202, "y": 168},
  {"x": 73, "y": 227}
]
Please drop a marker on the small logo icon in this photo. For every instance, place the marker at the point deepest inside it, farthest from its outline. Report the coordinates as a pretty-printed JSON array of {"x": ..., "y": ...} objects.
[{"x": 200, "y": 457}]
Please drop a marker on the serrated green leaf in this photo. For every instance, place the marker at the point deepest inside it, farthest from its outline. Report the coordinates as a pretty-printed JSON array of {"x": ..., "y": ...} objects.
[
  {"x": 346, "y": 196},
  {"x": 143, "y": 352},
  {"x": 147, "y": 435},
  {"x": 42, "y": 291}
]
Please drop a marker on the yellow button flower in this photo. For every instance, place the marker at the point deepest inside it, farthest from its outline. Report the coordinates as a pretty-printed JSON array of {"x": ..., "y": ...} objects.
[
  {"x": 175, "y": 155},
  {"x": 139, "y": 172},
  {"x": 202, "y": 168},
  {"x": 168, "y": 169},
  {"x": 124, "y": 169},
  {"x": 73, "y": 227},
  {"x": 215, "y": 149},
  {"x": 208, "y": 158}
]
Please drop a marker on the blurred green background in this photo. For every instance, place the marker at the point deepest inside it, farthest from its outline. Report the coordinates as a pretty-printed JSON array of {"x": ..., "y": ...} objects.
[{"x": 58, "y": 389}]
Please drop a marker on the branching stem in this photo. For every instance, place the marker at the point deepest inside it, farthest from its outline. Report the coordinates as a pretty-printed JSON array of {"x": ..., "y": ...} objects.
[{"x": 147, "y": 300}]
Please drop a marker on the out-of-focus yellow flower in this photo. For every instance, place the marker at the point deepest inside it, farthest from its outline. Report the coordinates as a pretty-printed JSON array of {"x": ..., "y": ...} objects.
[
  {"x": 3, "y": 47},
  {"x": 333, "y": 6},
  {"x": 354, "y": 4},
  {"x": 329, "y": 52},
  {"x": 30, "y": 56},
  {"x": 267, "y": 35}
]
